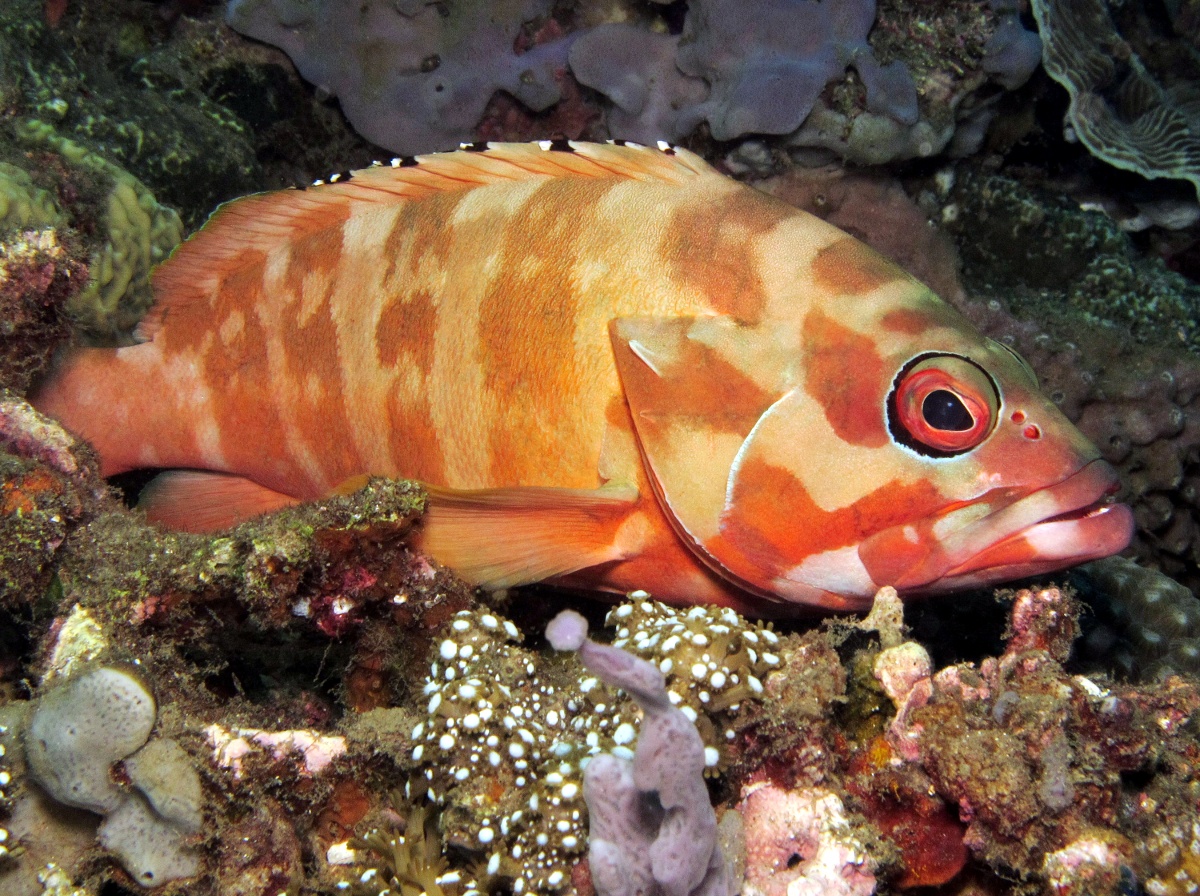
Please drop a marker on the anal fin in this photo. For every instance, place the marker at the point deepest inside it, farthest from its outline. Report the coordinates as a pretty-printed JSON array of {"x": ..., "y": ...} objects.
[
  {"x": 500, "y": 538},
  {"x": 204, "y": 501}
]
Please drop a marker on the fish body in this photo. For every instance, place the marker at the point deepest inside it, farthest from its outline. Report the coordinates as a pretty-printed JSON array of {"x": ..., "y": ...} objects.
[{"x": 613, "y": 367}]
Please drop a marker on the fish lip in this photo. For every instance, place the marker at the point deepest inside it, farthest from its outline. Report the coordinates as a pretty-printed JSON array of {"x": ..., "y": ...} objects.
[
  {"x": 1006, "y": 535},
  {"x": 1087, "y": 523}
]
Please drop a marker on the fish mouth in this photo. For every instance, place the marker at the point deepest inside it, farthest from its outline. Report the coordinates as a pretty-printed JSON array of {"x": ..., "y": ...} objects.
[
  {"x": 1051, "y": 545},
  {"x": 999, "y": 539}
]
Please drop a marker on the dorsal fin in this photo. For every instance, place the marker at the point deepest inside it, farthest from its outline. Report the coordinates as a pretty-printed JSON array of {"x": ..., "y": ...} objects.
[{"x": 249, "y": 227}]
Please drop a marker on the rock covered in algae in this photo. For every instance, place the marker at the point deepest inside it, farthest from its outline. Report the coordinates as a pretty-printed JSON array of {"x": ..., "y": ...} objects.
[
  {"x": 39, "y": 279},
  {"x": 50, "y": 485}
]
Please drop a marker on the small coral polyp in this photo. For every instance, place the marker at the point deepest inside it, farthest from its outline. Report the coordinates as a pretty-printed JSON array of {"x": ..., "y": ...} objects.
[
  {"x": 498, "y": 747},
  {"x": 712, "y": 658},
  {"x": 506, "y": 737}
]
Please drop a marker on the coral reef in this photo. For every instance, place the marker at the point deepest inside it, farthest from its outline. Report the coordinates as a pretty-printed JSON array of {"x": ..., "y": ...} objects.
[
  {"x": 765, "y": 65},
  {"x": 77, "y": 732},
  {"x": 771, "y": 67},
  {"x": 464, "y": 770},
  {"x": 1119, "y": 108},
  {"x": 712, "y": 658},
  {"x": 495, "y": 745},
  {"x": 372, "y": 726},
  {"x": 802, "y": 843}
]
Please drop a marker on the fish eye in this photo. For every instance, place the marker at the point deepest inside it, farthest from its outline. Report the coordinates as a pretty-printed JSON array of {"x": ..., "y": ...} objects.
[
  {"x": 942, "y": 405},
  {"x": 943, "y": 410}
]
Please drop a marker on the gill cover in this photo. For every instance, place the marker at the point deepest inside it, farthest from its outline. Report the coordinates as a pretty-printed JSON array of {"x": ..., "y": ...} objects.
[
  {"x": 693, "y": 406},
  {"x": 711, "y": 402}
]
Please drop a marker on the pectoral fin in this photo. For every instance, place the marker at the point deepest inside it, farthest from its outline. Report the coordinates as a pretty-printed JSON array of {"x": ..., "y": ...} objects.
[{"x": 499, "y": 538}]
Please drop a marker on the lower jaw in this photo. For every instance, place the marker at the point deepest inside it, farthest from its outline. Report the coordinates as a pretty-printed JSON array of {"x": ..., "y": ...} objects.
[{"x": 1049, "y": 546}]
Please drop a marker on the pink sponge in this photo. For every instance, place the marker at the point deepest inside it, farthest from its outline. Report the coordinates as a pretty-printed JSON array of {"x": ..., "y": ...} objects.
[{"x": 652, "y": 828}]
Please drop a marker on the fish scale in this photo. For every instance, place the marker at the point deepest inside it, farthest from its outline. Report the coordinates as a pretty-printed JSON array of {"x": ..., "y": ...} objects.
[{"x": 612, "y": 367}]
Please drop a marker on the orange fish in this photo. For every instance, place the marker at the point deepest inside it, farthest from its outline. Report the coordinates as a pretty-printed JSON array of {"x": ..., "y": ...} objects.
[{"x": 613, "y": 367}]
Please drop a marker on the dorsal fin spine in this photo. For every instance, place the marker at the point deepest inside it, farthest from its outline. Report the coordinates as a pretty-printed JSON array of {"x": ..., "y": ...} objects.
[{"x": 245, "y": 229}]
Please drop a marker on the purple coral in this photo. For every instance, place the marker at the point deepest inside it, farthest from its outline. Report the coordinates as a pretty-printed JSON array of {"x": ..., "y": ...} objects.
[
  {"x": 412, "y": 77},
  {"x": 766, "y": 63},
  {"x": 652, "y": 828}
]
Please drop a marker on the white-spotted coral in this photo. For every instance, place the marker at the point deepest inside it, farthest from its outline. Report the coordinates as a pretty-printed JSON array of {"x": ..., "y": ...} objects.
[
  {"x": 498, "y": 753},
  {"x": 506, "y": 736}
]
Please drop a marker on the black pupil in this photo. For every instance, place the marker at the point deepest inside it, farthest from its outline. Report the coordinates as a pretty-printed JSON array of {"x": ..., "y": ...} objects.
[{"x": 945, "y": 410}]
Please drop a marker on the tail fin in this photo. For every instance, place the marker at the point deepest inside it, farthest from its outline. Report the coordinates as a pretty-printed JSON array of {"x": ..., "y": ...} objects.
[{"x": 83, "y": 391}]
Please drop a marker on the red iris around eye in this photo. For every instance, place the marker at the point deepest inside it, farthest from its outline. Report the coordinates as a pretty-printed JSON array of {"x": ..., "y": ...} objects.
[{"x": 946, "y": 404}]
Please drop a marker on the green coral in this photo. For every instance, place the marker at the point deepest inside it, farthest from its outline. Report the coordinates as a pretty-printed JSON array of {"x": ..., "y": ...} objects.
[
  {"x": 138, "y": 233},
  {"x": 411, "y": 863},
  {"x": 23, "y": 204},
  {"x": 103, "y": 78}
]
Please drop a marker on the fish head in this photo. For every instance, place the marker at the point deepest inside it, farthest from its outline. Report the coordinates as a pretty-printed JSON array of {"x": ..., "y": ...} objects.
[
  {"x": 1022, "y": 491},
  {"x": 854, "y": 453}
]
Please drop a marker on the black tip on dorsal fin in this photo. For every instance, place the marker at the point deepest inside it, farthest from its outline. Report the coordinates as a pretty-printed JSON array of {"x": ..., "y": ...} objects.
[
  {"x": 404, "y": 162},
  {"x": 561, "y": 144},
  {"x": 617, "y": 142},
  {"x": 340, "y": 177},
  {"x": 478, "y": 146},
  {"x": 665, "y": 148}
]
